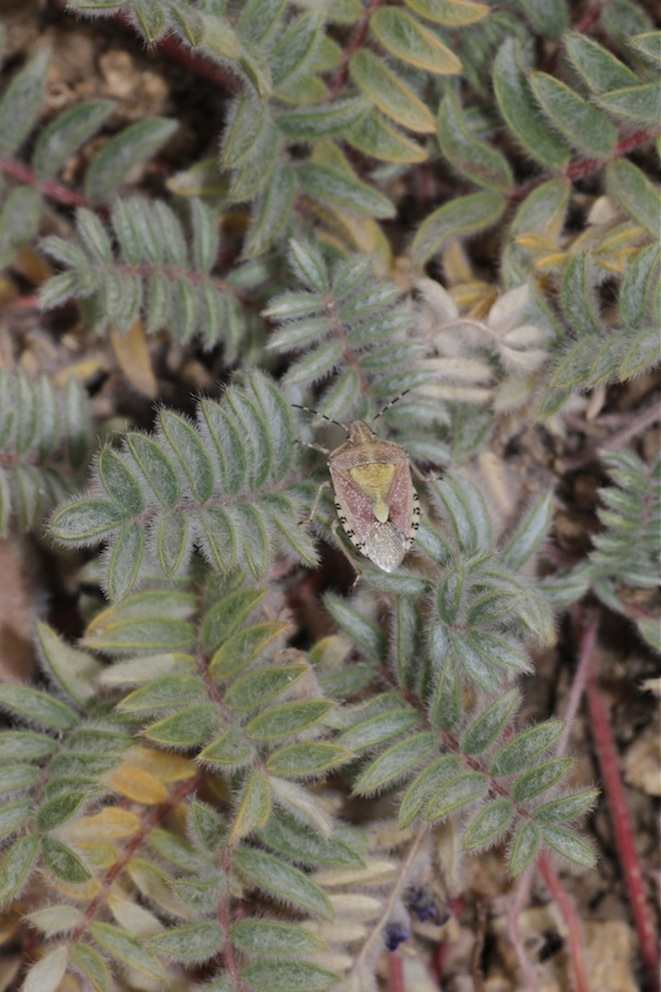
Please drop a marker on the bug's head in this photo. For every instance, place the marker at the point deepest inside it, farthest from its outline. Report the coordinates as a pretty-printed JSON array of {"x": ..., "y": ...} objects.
[{"x": 358, "y": 430}]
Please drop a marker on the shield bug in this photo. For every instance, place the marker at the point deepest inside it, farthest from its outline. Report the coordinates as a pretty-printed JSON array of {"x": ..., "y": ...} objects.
[{"x": 374, "y": 496}]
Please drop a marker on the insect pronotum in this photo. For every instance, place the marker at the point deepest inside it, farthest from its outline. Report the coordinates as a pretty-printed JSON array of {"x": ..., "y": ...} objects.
[{"x": 374, "y": 496}]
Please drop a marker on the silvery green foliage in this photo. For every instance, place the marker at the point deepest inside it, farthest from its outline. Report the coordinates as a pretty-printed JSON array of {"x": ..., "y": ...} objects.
[
  {"x": 45, "y": 446},
  {"x": 149, "y": 266},
  {"x": 625, "y": 555},
  {"x": 200, "y": 680},
  {"x": 226, "y": 485},
  {"x": 205, "y": 676},
  {"x": 351, "y": 332},
  {"x": 196, "y": 672},
  {"x": 20, "y": 109}
]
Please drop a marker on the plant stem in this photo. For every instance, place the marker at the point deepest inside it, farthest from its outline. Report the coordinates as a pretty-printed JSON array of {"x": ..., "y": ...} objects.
[
  {"x": 572, "y": 922},
  {"x": 601, "y": 723}
]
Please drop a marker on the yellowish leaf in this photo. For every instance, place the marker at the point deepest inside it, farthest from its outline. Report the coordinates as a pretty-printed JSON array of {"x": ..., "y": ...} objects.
[
  {"x": 137, "y": 785},
  {"x": 133, "y": 357},
  {"x": 165, "y": 766},
  {"x": 454, "y": 13},
  {"x": 110, "y": 823}
]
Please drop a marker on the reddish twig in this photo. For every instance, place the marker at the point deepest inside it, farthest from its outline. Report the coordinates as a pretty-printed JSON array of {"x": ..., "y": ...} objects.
[
  {"x": 600, "y": 721},
  {"x": 395, "y": 972},
  {"x": 520, "y": 898},
  {"x": 202, "y": 65},
  {"x": 572, "y": 922},
  {"x": 55, "y": 191},
  {"x": 355, "y": 42},
  {"x": 585, "y": 653},
  {"x": 646, "y": 418}
]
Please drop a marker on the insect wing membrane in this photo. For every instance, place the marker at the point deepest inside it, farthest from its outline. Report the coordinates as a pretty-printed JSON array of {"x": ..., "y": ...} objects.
[{"x": 386, "y": 545}]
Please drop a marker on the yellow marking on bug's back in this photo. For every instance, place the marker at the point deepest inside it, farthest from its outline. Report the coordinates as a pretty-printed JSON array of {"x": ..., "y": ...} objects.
[{"x": 375, "y": 480}]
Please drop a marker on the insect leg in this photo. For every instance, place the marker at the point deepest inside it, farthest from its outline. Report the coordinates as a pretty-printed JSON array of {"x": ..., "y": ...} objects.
[
  {"x": 315, "y": 505},
  {"x": 315, "y": 447},
  {"x": 352, "y": 561}
]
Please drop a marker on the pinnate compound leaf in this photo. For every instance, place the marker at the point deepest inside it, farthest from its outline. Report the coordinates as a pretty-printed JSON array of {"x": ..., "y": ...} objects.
[
  {"x": 47, "y": 974},
  {"x": 16, "y": 865},
  {"x": 407, "y": 39},
  {"x": 537, "y": 780},
  {"x": 425, "y": 785},
  {"x": 322, "y": 120},
  {"x": 530, "y": 533},
  {"x": 395, "y": 762},
  {"x": 85, "y": 520},
  {"x": 378, "y": 729},
  {"x": 469, "y": 155},
  {"x": 389, "y": 93},
  {"x": 37, "y": 707},
  {"x": 254, "y": 690},
  {"x": 287, "y": 976},
  {"x": 187, "y": 446},
  {"x": 59, "y": 809},
  {"x": 521, "y": 751},
  {"x": 64, "y": 863},
  {"x": 224, "y": 619},
  {"x": 490, "y": 824},
  {"x": 300, "y": 760},
  {"x": 343, "y": 190},
  {"x": 21, "y": 102},
  {"x": 548, "y": 16},
  {"x": 368, "y": 636},
  {"x": 281, "y": 880},
  {"x": 263, "y": 937},
  {"x": 634, "y": 192},
  {"x": 288, "y": 719},
  {"x": 457, "y": 792},
  {"x": 91, "y": 964},
  {"x": 189, "y": 727},
  {"x": 372, "y": 135},
  {"x": 23, "y": 745},
  {"x": 239, "y": 650},
  {"x": 453, "y": 13},
  {"x": 122, "y": 153},
  {"x": 296, "y": 48},
  {"x": 13, "y": 816},
  {"x": 456, "y": 219},
  {"x": 231, "y": 749},
  {"x": 567, "y": 808},
  {"x": 195, "y": 943},
  {"x": 487, "y": 727},
  {"x": 521, "y": 112},
  {"x": 599, "y": 68},
  {"x": 127, "y": 950},
  {"x": 66, "y": 133},
  {"x": 254, "y": 807},
  {"x": 271, "y": 211},
  {"x": 569, "y": 845},
  {"x": 125, "y": 563},
  {"x": 581, "y": 123},
  {"x": 120, "y": 483},
  {"x": 525, "y": 847}
]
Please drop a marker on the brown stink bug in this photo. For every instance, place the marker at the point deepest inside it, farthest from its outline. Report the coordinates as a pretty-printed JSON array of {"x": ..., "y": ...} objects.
[{"x": 374, "y": 496}]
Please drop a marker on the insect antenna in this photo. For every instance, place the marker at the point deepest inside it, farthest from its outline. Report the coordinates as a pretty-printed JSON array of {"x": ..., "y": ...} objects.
[
  {"x": 323, "y": 416},
  {"x": 388, "y": 405}
]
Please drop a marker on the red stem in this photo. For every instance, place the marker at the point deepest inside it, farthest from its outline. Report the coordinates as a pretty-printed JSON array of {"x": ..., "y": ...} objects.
[
  {"x": 62, "y": 194},
  {"x": 395, "y": 972},
  {"x": 572, "y": 922},
  {"x": 601, "y": 723}
]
